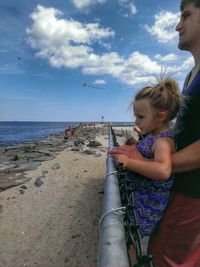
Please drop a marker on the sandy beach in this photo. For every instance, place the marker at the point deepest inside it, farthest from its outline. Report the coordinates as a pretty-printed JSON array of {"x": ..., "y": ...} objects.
[{"x": 55, "y": 224}]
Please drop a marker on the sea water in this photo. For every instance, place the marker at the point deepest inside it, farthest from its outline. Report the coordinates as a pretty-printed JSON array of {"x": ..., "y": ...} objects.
[
  {"x": 12, "y": 133},
  {"x": 16, "y": 132}
]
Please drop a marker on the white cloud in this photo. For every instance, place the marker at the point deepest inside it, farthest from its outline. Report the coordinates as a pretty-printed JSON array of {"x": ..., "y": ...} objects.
[
  {"x": 139, "y": 68},
  {"x": 187, "y": 64},
  {"x": 49, "y": 30},
  {"x": 128, "y": 5},
  {"x": 68, "y": 43},
  {"x": 121, "y": 2},
  {"x": 142, "y": 62},
  {"x": 169, "y": 57},
  {"x": 64, "y": 42},
  {"x": 109, "y": 63},
  {"x": 85, "y": 3},
  {"x": 133, "y": 8},
  {"x": 99, "y": 81},
  {"x": 163, "y": 29}
]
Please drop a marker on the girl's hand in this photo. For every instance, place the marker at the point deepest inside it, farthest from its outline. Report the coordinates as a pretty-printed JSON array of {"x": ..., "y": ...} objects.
[
  {"x": 121, "y": 159},
  {"x": 129, "y": 150},
  {"x": 117, "y": 150}
]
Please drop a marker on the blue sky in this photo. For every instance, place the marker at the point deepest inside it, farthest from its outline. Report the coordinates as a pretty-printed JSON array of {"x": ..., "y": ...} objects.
[{"x": 49, "y": 48}]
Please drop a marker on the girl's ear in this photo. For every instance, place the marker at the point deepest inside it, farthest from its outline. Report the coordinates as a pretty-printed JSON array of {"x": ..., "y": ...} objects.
[{"x": 163, "y": 116}]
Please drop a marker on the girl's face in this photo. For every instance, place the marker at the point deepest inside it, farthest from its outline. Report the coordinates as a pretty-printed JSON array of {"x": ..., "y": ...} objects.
[{"x": 147, "y": 117}]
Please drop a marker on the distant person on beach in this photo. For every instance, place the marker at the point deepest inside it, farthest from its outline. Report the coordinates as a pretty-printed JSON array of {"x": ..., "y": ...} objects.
[
  {"x": 69, "y": 132},
  {"x": 153, "y": 106}
]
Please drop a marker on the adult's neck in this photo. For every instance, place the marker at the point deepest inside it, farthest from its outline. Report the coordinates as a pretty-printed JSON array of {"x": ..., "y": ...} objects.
[{"x": 196, "y": 56}]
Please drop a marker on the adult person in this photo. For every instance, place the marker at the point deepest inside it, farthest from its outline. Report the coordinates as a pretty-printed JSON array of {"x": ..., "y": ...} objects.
[{"x": 176, "y": 242}]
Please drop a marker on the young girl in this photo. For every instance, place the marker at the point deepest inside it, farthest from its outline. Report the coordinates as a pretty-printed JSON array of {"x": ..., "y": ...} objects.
[{"x": 153, "y": 108}]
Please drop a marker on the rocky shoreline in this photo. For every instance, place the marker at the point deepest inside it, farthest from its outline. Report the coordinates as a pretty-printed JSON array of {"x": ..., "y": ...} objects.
[
  {"x": 52, "y": 217},
  {"x": 16, "y": 160}
]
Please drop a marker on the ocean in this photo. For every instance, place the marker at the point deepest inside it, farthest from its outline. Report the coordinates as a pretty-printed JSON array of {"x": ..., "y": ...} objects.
[{"x": 12, "y": 133}]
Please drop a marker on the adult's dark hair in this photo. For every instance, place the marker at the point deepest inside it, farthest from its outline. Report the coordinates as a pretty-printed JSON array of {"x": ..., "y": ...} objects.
[{"x": 196, "y": 3}]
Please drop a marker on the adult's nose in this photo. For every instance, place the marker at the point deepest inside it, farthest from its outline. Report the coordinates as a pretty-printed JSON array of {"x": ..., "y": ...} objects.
[{"x": 178, "y": 26}]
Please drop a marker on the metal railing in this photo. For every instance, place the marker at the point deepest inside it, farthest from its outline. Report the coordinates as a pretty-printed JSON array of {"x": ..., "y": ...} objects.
[
  {"x": 118, "y": 225},
  {"x": 112, "y": 246}
]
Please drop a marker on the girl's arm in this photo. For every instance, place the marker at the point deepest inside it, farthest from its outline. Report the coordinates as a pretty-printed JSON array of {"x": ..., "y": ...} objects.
[{"x": 158, "y": 168}]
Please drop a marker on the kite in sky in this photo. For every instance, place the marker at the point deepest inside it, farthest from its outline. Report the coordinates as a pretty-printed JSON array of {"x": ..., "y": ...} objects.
[{"x": 92, "y": 86}]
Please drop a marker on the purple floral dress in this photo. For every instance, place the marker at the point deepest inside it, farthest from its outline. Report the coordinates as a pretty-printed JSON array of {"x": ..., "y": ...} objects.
[{"x": 150, "y": 196}]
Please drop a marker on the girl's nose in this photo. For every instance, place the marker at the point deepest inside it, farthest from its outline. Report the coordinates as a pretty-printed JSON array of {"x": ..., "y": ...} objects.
[{"x": 135, "y": 122}]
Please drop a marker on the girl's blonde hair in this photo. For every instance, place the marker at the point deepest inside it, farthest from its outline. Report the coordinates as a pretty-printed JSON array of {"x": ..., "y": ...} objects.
[{"x": 164, "y": 96}]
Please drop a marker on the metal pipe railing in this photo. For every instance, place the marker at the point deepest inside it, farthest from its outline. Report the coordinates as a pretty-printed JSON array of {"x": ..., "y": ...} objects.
[{"x": 112, "y": 245}]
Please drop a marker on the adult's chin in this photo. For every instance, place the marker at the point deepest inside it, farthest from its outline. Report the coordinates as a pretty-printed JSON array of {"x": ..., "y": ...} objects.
[{"x": 183, "y": 45}]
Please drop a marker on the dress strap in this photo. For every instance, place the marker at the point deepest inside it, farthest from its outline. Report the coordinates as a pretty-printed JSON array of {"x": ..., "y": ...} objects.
[{"x": 164, "y": 134}]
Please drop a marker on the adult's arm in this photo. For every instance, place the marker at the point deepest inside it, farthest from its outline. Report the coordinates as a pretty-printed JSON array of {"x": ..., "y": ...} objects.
[{"x": 187, "y": 159}]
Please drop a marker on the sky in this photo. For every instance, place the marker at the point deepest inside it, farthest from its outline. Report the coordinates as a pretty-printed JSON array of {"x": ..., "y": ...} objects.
[{"x": 79, "y": 60}]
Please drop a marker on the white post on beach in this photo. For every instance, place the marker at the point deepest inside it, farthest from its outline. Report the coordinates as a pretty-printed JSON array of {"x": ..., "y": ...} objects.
[{"x": 112, "y": 245}]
